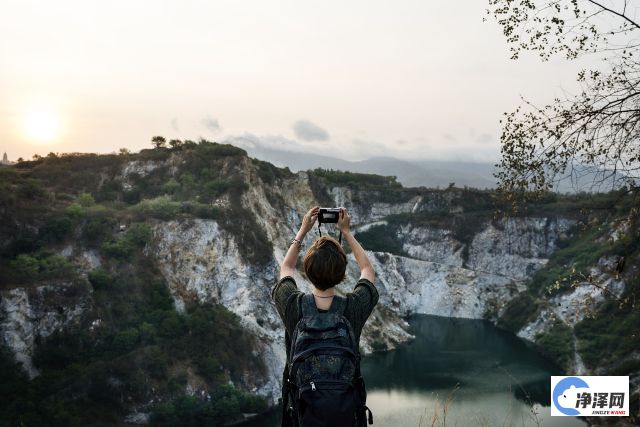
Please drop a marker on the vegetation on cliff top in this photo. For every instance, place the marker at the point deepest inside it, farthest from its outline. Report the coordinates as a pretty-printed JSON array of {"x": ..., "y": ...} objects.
[{"x": 204, "y": 180}]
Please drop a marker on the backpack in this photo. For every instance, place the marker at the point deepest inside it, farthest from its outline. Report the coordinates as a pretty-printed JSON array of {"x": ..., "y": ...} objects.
[{"x": 322, "y": 384}]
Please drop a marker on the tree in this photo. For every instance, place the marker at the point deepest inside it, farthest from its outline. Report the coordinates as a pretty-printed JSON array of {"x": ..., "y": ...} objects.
[
  {"x": 124, "y": 151},
  {"x": 86, "y": 200},
  {"x": 593, "y": 133},
  {"x": 159, "y": 141},
  {"x": 175, "y": 143}
]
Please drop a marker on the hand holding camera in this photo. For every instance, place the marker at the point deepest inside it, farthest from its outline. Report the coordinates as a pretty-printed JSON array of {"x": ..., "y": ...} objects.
[
  {"x": 309, "y": 219},
  {"x": 338, "y": 216},
  {"x": 344, "y": 221}
]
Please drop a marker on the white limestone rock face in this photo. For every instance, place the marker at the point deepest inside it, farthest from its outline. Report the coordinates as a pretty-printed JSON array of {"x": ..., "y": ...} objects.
[
  {"x": 28, "y": 314},
  {"x": 411, "y": 286},
  {"x": 516, "y": 247},
  {"x": 202, "y": 263},
  {"x": 143, "y": 168},
  {"x": 432, "y": 244}
]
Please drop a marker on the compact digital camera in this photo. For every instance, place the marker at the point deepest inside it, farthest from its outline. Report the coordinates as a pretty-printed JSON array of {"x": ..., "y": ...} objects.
[{"x": 328, "y": 215}]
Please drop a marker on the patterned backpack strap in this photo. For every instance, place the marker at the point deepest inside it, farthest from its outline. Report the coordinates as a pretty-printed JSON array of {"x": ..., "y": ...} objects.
[
  {"x": 338, "y": 305},
  {"x": 308, "y": 305}
]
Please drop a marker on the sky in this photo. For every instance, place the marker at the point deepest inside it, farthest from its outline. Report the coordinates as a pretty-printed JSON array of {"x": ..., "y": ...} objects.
[{"x": 353, "y": 79}]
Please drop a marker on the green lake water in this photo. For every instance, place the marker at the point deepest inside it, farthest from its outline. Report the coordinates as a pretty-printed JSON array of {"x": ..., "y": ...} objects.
[{"x": 490, "y": 378}]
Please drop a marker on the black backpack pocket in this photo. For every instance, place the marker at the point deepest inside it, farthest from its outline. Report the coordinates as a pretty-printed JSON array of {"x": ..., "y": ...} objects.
[{"x": 327, "y": 403}]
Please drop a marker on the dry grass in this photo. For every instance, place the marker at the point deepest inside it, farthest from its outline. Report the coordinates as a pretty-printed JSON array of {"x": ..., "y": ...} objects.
[{"x": 442, "y": 410}]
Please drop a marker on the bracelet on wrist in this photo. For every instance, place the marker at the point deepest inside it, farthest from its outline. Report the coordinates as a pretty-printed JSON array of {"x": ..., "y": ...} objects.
[{"x": 296, "y": 241}]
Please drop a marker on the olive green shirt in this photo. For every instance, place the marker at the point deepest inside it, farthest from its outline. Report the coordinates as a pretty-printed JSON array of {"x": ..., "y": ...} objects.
[{"x": 360, "y": 304}]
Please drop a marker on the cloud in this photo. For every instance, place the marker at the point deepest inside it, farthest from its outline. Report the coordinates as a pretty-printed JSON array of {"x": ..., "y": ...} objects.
[
  {"x": 308, "y": 131},
  {"x": 449, "y": 137},
  {"x": 174, "y": 124},
  {"x": 211, "y": 124}
]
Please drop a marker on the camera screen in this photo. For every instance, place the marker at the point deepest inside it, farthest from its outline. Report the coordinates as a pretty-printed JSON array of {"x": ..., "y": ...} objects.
[{"x": 330, "y": 215}]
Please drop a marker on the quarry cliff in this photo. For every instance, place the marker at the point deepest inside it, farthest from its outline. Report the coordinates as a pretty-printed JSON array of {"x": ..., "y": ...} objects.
[{"x": 136, "y": 254}]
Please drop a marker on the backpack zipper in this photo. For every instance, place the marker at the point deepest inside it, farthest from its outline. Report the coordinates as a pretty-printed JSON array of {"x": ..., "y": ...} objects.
[{"x": 316, "y": 347}]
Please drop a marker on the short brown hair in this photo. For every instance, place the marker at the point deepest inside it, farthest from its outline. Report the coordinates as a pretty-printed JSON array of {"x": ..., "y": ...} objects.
[{"x": 325, "y": 263}]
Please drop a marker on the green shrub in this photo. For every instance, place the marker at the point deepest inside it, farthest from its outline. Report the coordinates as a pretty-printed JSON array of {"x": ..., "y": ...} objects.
[
  {"x": 201, "y": 210},
  {"x": 123, "y": 247},
  {"x": 98, "y": 228},
  {"x": 518, "y": 313},
  {"x": 226, "y": 405},
  {"x": 187, "y": 180},
  {"x": 171, "y": 185},
  {"x": 126, "y": 340},
  {"x": 138, "y": 234},
  {"x": 172, "y": 326},
  {"x": 557, "y": 343},
  {"x": 119, "y": 248},
  {"x": 30, "y": 189},
  {"x": 156, "y": 362},
  {"x": 27, "y": 266},
  {"x": 42, "y": 266},
  {"x": 58, "y": 227},
  {"x": 86, "y": 200},
  {"x": 209, "y": 149},
  {"x": 162, "y": 207},
  {"x": 159, "y": 297},
  {"x": 100, "y": 278},
  {"x": 75, "y": 211},
  {"x": 55, "y": 266},
  {"x": 132, "y": 196},
  {"x": 269, "y": 173},
  {"x": 382, "y": 238},
  {"x": 211, "y": 369}
]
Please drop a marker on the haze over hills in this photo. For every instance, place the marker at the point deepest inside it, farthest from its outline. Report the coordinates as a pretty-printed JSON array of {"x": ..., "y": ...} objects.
[
  {"x": 426, "y": 173},
  {"x": 421, "y": 173}
]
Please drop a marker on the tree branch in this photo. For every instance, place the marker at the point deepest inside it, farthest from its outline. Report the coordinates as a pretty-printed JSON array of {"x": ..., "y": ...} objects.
[{"x": 621, "y": 15}]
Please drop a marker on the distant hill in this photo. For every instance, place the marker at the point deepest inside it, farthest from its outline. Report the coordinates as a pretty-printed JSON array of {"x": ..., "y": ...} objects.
[{"x": 427, "y": 173}]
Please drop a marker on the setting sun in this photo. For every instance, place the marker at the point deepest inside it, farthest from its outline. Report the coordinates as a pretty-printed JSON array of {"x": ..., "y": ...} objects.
[{"x": 41, "y": 125}]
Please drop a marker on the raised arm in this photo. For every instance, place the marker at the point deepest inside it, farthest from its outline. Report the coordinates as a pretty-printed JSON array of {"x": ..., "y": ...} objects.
[
  {"x": 366, "y": 269},
  {"x": 288, "y": 266}
]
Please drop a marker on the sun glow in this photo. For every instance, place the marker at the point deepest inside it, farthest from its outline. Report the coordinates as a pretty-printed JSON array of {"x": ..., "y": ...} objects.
[{"x": 41, "y": 125}]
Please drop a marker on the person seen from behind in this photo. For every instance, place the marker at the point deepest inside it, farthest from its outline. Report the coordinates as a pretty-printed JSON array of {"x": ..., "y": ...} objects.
[{"x": 322, "y": 384}]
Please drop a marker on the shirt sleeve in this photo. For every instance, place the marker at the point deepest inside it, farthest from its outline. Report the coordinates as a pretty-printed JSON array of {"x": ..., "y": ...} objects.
[
  {"x": 363, "y": 300},
  {"x": 285, "y": 296}
]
